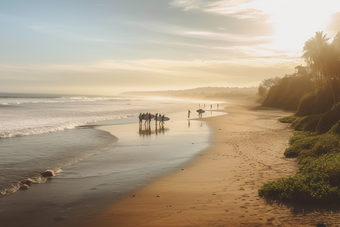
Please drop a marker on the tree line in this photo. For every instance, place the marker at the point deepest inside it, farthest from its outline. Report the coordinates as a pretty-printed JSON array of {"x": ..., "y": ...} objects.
[{"x": 316, "y": 88}]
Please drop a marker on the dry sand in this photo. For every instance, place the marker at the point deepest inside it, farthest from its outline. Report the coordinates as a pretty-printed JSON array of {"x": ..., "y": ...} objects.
[{"x": 220, "y": 187}]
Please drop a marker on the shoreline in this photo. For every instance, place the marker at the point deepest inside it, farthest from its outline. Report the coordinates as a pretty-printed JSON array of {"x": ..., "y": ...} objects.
[
  {"x": 219, "y": 187},
  {"x": 137, "y": 158}
]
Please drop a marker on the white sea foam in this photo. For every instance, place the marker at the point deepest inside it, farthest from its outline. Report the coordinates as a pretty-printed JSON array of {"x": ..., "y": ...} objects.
[
  {"x": 16, "y": 101},
  {"x": 30, "y": 116},
  {"x": 27, "y": 156}
]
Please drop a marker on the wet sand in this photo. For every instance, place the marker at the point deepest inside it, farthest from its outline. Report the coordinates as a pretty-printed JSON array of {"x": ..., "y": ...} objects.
[
  {"x": 220, "y": 187},
  {"x": 139, "y": 156}
]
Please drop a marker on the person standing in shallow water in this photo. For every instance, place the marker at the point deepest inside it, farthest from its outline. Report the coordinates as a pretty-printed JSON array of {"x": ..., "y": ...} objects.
[
  {"x": 146, "y": 116},
  {"x": 189, "y": 113},
  {"x": 149, "y": 118},
  {"x": 140, "y": 118}
]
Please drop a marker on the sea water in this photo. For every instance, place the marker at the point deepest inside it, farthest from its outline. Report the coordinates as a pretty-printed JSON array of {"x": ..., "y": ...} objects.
[{"x": 93, "y": 143}]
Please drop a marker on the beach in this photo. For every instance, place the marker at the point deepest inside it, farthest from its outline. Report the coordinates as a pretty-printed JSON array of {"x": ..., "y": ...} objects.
[
  {"x": 198, "y": 172},
  {"x": 220, "y": 186}
]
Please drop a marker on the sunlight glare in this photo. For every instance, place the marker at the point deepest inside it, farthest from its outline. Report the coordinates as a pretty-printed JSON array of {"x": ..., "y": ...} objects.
[{"x": 297, "y": 21}]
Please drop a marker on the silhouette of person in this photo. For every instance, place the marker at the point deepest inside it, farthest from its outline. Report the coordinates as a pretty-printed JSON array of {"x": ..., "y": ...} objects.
[
  {"x": 140, "y": 118},
  {"x": 149, "y": 118},
  {"x": 146, "y": 117},
  {"x": 189, "y": 113}
]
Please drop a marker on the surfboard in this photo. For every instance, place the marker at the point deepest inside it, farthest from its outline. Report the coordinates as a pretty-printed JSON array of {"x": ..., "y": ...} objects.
[
  {"x": 146, "y": 116},
  {"x": 200, "y": 111},
  {"x": 160, "y": 119}
]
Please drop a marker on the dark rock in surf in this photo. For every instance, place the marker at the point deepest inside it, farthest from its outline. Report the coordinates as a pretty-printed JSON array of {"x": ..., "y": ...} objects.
[
  {"x": 48, "y": 173},
  {"x": 24, "y": 186}
]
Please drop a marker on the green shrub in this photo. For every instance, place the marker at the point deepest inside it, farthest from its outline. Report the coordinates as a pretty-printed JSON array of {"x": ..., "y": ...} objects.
[
  {"x": 326, "y": 167},
  {"x": 301, "y": 188},
  {"x": 300, "y": 145},
  {"x": 324, "y": 144},
  {"x": 306, "y": 105},
  {"x": 329, "y": 119},
  {"x": 308, "y": 123},
  {"x": 316, "y": 102},
  {"x": 319, "y": 177},
  {"x": 335, "y": 130},
  {"x": 299, "y": 135},
  {"x": 288, "y": 91},
  {"x": 288, "y": 119}
]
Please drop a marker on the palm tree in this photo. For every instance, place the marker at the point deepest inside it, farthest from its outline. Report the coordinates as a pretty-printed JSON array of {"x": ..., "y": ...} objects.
[
  {"x": 313, "y": 54},
  {"x": 324, "y": 59},
  {"x": 336, "y": 41},
  {"x": 331, "y": 68}
]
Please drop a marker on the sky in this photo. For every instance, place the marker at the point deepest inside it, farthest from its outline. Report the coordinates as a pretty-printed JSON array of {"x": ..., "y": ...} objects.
[{"x": 104, "y": 47}]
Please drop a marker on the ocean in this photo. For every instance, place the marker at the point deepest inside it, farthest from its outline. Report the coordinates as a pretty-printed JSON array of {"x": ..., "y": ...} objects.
[{"x": 96, "y": 147}]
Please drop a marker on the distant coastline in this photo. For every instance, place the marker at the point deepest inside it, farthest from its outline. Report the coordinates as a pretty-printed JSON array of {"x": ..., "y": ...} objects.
[{"x": 204, "y": 93}]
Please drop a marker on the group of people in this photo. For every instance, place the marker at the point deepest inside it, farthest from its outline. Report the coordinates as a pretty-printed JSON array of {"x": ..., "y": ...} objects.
[
  {"x": 148, "y": 117},
  {"x": 200, "y": 112},
  {"x": 211, "y": 106}
]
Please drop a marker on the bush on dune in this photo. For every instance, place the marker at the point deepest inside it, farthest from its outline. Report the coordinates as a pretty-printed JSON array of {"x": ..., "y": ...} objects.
[
  {"x": 308, "y": 123},
  {"x": 319, "y": 170},
  {"x": 329, "y": 119},
  {"x": 287, "y": 92},
  {"x": 324, "y": 144},
  {"x": 300, "y": 145},
  {"x": 297, "y": 87},
  {"x": 316, "y": 102},
  {"x": 335, "y": 130},
  {"x": 298, "y": 136},
  {"x": 310, "y": 145},
  {"x": 318, "y": 181},
  {"x": 327, "y": 165},
  {"x": 288, "y": 119},
  {"x": 301, "y": 188}
]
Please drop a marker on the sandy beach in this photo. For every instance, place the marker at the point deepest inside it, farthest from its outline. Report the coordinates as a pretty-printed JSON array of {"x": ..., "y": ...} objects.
[{"x": 219, "y": 188}]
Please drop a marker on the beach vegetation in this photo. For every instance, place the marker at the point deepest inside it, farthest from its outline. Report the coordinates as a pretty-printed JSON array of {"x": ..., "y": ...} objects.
[
  {"x": 318, "y": 178},
  {"x": 316, "y": 142},
  {"x": 313, "y": 89},
  {"x": 288, "y": 119},
  {"x": 307, "y": 123},
  {"x": 265, "y": 87},
  {"x": 300, "y": 135},
  {"x": 316, "y": 102},
  {"x": 329, "y": 119},
  {"x": 300, "y": 144},
  {"x": 288, "y": 91},
  {"x": 335, "y": 130}
]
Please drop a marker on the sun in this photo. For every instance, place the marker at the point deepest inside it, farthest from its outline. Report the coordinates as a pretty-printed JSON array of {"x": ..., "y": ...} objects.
[
  {"x": 296, "y": 27},
  {"x": 297, "y": 21}
]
